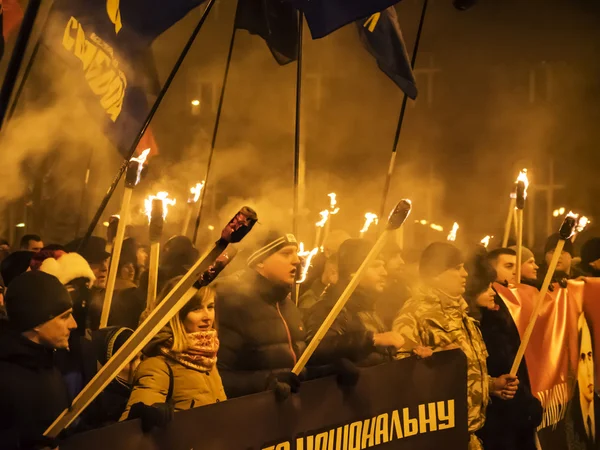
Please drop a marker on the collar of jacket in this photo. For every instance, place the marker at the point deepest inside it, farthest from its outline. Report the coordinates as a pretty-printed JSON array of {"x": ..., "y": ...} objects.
[
  {"x": 17, "y": 349},
  {"x": 267, "y": 290},
  {"x": 448, "y": 302}
]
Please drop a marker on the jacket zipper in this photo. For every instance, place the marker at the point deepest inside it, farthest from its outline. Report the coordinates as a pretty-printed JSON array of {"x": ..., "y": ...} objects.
[{"x": 289, "y": 335}]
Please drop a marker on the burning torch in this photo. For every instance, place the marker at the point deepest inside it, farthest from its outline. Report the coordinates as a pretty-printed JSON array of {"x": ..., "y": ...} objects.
[
  {"x": 156, "y": 209},
  {"x": 320, "y": 225},
  {"x": 193, "y": 199},
  {"x": 306, "y": 258},
  {"x": 452, "y": 234},
  {"x": 571, "y": 226},
  {"x": 521, "y": 189},
  {"x": 395, "y": 221},
  {"x": 486, "y": 241},
  {"x": 132, "y": 178},
  {"x": 333, "y": 210},
  {"x": 370, "y": 218}
]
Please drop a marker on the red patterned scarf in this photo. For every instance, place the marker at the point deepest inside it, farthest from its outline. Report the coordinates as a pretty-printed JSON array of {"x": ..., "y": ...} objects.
[{"x": 202, "y": 351}]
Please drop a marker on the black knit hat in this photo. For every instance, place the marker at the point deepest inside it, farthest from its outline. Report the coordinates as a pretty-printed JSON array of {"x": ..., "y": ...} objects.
[
  {"x": 128, "y": 252},
  {"x": 351, "y": 255},
  {"x": 107, "y": 341},
  {"x": 272, "y": 243},
  {"x": 590, "y": 251},
  {"x": 15, "y": 264},
  {"x": 94, "y": 252},
  {"x": 34, "y": 298},
  {"x": 439, "y": 257},
  {"x": 553, "y": 240}
]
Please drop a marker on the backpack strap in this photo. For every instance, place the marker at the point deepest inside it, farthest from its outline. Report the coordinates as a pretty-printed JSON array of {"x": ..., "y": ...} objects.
[{"x": 171, "y": 382}]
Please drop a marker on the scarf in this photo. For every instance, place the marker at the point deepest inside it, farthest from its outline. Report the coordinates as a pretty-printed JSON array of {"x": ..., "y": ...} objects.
[{"x": 201, "y": 354}]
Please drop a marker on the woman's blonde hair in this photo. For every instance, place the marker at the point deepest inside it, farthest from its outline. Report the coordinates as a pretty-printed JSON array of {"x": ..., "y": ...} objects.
[{"x": 203, "y": 296}]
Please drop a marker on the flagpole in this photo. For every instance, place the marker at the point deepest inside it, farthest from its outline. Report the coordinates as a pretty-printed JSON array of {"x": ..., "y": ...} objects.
[
  {"x": 16, "y": 59},
  {"x": 215, "y": 132},
  {"x": 84, "y": 192},
  {"x": 151, "y": 113},
  {"x": 390, "y": 172},
  {"x": 297, "y": 125}
]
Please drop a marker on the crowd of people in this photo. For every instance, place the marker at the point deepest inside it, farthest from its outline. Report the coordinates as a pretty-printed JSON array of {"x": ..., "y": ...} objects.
[{"x": 244, "y": 333}]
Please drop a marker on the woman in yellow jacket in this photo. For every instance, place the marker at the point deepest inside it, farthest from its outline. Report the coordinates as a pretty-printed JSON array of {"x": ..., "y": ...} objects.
[{"x": 180, "y": 372}]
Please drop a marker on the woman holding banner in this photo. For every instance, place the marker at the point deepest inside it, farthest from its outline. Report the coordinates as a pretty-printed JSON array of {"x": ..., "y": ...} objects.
[{"x": 181, "y": 372}]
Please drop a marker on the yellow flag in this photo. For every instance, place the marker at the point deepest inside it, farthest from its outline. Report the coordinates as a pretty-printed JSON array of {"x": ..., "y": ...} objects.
[
  {"x": 114, "y": 14},
  {"x": 371, "y": 22}
]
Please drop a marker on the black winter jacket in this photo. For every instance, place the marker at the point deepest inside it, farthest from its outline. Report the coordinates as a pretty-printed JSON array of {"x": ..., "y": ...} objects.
[
  {"x": 260, "y": 331},
  {"x": 351, "y": 335},
  {"x": 510, "y": 424},
  {"x": 32, "y": 391}
]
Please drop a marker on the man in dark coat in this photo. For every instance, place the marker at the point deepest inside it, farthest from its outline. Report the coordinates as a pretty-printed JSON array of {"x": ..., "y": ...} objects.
[
  {"x": 260, "y": 329},
  {"x": 32, "y": 391},
  {"x": 358, "y": 333},
  {"x": 510, "y": 425}
]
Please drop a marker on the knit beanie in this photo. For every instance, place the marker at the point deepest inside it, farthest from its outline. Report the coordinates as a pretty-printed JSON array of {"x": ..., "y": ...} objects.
[
  {"x": 272, "y": 243},
  {"x": 45, "y": 253},
  {"x": 526, "y": 254},
  {"x": 107, "y": 341},
  {"x": 15, "y": 264},
  {"x": 590, "y": 251},
  {"x": 553, "y": 240},
  {"x": 439, "y": 257},
  {"x": 68, "y": 267},
  {"x": 351, "y": 255},
  {"x": 34, "y": 298}
]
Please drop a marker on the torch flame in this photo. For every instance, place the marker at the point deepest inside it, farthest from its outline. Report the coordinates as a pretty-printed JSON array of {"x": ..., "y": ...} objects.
[
  {"x": 582, "y": 223},
  {"x": 141, "y": 160},
  {"x": 196, "y": 191},
  {"x": 324, "y": 216},
  {"x": 369, "y": 219},
  {"x": 166, "y": 201},
  {"x": 308, "y": 256},
  {"x": 453, "y": 231},
  {"x": 436, "y": 227},
  {"x": 486, "y": 241},
  {"x": 333, "y": 209},
  {"x": 523, "y": 177}
]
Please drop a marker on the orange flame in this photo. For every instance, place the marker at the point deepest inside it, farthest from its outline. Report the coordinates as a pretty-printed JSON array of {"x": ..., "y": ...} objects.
[
  {"x": 333, "y": 209},
  {"x": 166, "y": 201},
  {"x": 486, "y": 241},
  {"x": 369, "y": 219},
  {"x": 582, "y": 223},
  {"x": 141, "y": 160},
  {"x": 523, "y": 177},
  {"x": 453, "y": 231},
  {"x": 308, "y": 256},
  {"x": 196, "y": 191},
  {"x": 324, "y": 216},
  {"x": 436, "y": 227}
]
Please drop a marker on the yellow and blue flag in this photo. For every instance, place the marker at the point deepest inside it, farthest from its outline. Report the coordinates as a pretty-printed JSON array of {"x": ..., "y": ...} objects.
[
  {"x": 381, "y": 35},
  {"x": 107, "y": 43},
  {"x": 276, "y": 21}
]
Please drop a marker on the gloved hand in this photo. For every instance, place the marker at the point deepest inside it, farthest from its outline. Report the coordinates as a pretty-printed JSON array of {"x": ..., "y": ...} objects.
[
  {"x": 347, "y": 374},
  {"x": 36, "y": 440},
  {"x": 283, "y": 383},
  {"x": 157, "y": 415}
]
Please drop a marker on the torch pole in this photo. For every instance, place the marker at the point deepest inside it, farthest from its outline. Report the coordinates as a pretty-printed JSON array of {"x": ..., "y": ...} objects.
[
  {"x": 156, "y": 228},
  {"x": 297, "y": 125},
  {"x": 213, "y": 142},
  {"x": 509, "y": 220},
  {"x": 116, "y": 256},
  {"x": 396, "y": 220},
  {"x": 149, "y": 117},
  {"x": 390, "y": 172},
  {"x": 202, "y": 273},
  {"x": 16, "y": 59},
  {"x": 188, "y": 218},
  {"x": 538, "y": 306},
  {"x": 519, "y": 243}
]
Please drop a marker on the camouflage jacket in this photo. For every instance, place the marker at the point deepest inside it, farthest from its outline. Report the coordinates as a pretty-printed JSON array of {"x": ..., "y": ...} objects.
[{"x": 435, "y": 320}]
